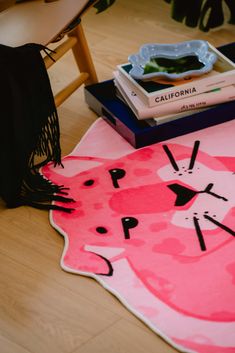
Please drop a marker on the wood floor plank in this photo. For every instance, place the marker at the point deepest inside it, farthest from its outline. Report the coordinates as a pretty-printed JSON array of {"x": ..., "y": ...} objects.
[
  {"x": 126, "y": 337},
  {"x": 9, "y": 346},
  {"x": 37, "y": 312}
]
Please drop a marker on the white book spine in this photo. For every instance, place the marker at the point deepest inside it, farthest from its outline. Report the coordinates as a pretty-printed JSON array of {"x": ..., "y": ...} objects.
[
  {"x": 199, "y": 101},
  {"x": 178, "y": 92}
]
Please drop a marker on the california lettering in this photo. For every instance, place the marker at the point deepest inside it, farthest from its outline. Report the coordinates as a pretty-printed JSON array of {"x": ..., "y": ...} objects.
[{"x": 176, "y": 94}]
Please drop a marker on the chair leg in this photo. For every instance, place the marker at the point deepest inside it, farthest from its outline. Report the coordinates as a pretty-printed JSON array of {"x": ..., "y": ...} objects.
[{"x": 82, "y": 54}]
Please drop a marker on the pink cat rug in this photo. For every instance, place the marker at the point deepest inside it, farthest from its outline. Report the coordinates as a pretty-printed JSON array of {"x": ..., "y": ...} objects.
[{"x": 156, "y": 227}]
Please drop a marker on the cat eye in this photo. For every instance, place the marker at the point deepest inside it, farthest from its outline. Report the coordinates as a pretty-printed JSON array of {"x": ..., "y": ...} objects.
[
  {"x": 101, "y": 230},
  {"x": 116, "y": 174},
  {"x": 89, "y": 182},
  {"x": 127, "y": 224}
]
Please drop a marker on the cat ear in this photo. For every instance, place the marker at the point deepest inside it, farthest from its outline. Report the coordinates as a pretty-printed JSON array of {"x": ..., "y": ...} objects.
[
  {"x": 101, "y": 140},
  {"x": 99, "y": 144},
  {"x": 209, "y": 138},
  {"x": 71, "y": 166}
]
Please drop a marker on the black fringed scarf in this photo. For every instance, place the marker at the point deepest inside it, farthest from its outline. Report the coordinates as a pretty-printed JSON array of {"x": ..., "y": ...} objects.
[{"x": 29, "y": 129}]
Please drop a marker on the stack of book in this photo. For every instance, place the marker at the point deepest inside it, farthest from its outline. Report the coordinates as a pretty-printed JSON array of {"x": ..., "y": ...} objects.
[{"x": 161, "y": 101}]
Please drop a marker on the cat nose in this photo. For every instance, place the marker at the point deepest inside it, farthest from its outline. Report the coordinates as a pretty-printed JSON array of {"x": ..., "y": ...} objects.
[{"x": 183, "y": 194}]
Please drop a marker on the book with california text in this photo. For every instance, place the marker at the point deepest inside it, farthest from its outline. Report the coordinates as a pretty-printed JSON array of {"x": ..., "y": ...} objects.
[
  {"x": 181, "y": 107},
  {"x": 157, "y": 92}
]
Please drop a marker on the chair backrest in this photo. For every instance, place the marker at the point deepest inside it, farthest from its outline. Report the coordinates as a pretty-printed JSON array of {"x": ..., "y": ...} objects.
[{"x": 37, "y": 21}]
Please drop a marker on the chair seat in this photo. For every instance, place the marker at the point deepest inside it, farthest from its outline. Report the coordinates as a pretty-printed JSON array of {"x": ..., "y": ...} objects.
[
  {"x": 37, "y": 21},
  {"x": 42, "y": 22}
]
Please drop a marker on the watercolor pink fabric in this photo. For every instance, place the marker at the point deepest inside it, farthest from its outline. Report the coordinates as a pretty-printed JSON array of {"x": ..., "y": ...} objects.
[{"x": 156, "y": 227}]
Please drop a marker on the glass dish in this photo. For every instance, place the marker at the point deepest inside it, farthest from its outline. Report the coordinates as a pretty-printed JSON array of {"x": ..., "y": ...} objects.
[{"x": 172, "y": 61}]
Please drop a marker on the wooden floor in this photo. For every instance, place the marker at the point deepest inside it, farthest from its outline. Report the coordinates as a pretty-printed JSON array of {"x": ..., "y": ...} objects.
[{"x": 42, "y": 308}]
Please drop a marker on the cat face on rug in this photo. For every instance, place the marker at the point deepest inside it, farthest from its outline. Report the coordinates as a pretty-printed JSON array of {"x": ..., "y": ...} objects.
[{"x": 168, "y": 210}]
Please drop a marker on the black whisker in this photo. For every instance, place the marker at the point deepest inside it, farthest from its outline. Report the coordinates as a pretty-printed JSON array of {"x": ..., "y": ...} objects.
[
  {"x": 220, "y": 225},
  {"x": 194, "y": 154},
  {"x": 171, "y": 158},
  {"x": 199, "y": 234}
]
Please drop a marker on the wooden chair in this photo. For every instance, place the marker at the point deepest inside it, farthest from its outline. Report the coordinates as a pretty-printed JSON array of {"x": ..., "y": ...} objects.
[{"x": 40, "y": 22}]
